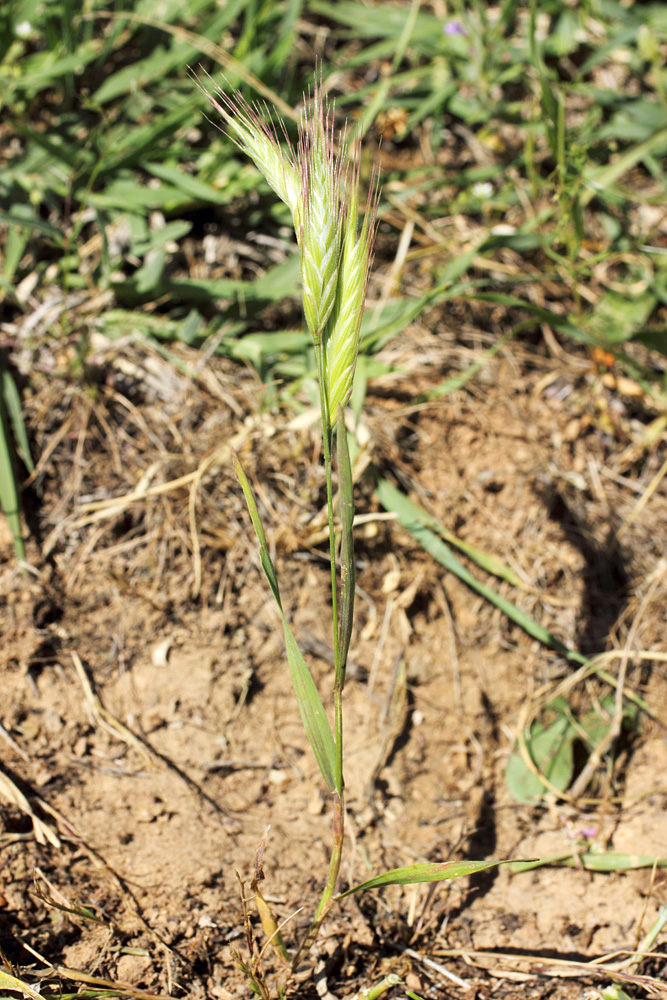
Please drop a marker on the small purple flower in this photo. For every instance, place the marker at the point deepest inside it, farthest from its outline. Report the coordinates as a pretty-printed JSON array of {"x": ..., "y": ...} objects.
[{"x": 453, "y": 28}]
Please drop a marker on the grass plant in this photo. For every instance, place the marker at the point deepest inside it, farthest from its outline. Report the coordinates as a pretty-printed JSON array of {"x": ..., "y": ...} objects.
[{"x": 321, "y": 188}]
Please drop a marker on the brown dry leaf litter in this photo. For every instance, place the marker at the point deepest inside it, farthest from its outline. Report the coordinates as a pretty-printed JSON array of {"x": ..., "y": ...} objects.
[{"x": 156, "y": 734}]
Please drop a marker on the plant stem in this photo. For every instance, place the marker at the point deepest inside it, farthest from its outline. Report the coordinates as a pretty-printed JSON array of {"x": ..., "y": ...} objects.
[
  {"x": 334, "y": 863},
  {"x": 329, "y": 889},
  {"x": 326, "y": 447},
  {"x": 338, "y": 802}
]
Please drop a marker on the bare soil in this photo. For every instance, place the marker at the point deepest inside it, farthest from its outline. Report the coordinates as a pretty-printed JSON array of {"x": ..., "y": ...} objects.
[{"x": 147, "y": 712}]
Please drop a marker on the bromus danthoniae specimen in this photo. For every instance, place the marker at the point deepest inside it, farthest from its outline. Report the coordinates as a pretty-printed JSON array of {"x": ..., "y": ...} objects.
[{"x": 320, "y": 185}]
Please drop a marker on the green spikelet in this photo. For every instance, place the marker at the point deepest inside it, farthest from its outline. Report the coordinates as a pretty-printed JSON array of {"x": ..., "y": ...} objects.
[
  {"x": 320, "y": 233},
  {"x": 258, "y": 138},
  {"x": 342, "y": 334}
]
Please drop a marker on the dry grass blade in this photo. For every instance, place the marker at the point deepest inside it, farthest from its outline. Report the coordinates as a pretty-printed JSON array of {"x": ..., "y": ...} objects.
[
  {"x": 44, "y": 834},
  {"x": 102, "y": 984},
  {"x": 557, "y": 967},
  {"x": 104, "y": 717},
  {"x": 9, "y": 982},
  {"x": 641, "y": 503}
]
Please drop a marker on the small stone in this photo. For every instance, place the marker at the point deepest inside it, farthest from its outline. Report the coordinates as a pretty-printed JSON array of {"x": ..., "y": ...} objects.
[{"x": 160, "y": 653}]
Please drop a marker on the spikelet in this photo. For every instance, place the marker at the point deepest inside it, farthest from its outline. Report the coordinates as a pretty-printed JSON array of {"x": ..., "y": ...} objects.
[
  {"x": 341, "y": 339},
  {"x": 320, "y": 233},
  {"x": 257, "y": 137}
]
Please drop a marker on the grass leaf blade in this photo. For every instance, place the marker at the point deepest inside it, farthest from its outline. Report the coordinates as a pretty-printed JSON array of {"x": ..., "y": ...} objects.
[
  {"x": 430, "y": 872},
  {"x": 9, "y": 495},
  {"x": 265, "y": 558},
  {"x": 607, "y": 861},
  {"x": 311, "y": 709},
  {"x": 393, "y": 500},
  {"x": 12, "y": 401}
]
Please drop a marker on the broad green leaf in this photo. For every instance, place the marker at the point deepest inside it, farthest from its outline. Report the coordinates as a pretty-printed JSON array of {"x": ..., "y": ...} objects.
[
  {"x": 44, "y": 69},
  {"x": 603, "y": 178},
  {"x": 380, "y": 21},
  {"x": 146, "y": 279},
  {"x": 617, "y": 317},
  {"x": 174, "y": 230},
  {"x": 164, "y": 59},
  {"x": 124, "y": 192},
  {"x": 551, "y": 747},
  {"x": 635, "y": 121},
  {"x": 277, "y": 284},
  {"x": 311, "y": 709},
  {"x": 24, "y": 222},
  {"x": 257, "y": 347},
  {"x": 189, "y": 185},
  {"x": 346, "y": 496},
  {"x": 430, "y": 872},
  {"x": 129, "y": 146},
  {"x": 551, "y": 750},
  {"x": 121, "y": 322}
]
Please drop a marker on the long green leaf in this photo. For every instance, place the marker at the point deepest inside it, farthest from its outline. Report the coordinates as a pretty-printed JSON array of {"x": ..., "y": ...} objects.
[
  {"x": 608, "y": 861},
  {"x": 602, "y": 178},
  {"x": 312, "y": 712},
  {"x": 412, "y": 519},
  {"x": 430, "y": 872},
  {"x": 346, "y": 495},
  {"x": 12, "y": 401},
  {"x": 392, "y": 499}
]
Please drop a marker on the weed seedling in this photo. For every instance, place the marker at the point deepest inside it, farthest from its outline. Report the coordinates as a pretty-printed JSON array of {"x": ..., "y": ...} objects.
[{"x": 318, "y": 183}]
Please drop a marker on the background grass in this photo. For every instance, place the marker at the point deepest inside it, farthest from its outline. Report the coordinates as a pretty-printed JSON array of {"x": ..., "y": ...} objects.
[{"x": 543, "y": 129}]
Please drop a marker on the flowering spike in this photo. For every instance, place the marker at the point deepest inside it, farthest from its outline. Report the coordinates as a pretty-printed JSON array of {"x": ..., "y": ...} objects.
[{"x": 323, "y": 198}]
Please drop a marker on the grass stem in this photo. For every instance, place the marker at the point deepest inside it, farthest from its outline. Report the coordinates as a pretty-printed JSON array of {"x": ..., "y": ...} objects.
[{"x": 339, "y": 806}]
